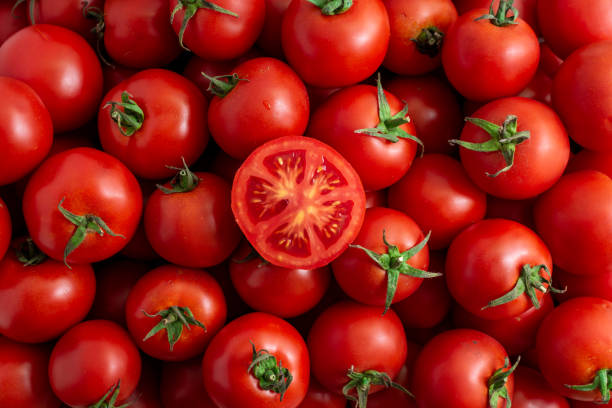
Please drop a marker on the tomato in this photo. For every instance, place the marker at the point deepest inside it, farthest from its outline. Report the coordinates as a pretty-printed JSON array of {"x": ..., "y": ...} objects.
[
  {"x": 387, "y": 260},
  {"x": 319, "y": 397},
  {"x": 456, "y": 368},
  {"x": 23, "y": 376},
  {"x": 182, "y": 385},
  {"x": 250, "y": 361},
  {"x": 335, "y": 46},
  {"x": 5, "y": 228},
  {"x": 574, "y": 346},
  {"x": 526, "y": 8},
  {"x": 219, "y": 29},
  {"x": 11, "y": 22},
  {"x": 370, "y": 129},
  {"x": 574, "y": 218},
  {"x": 531, "y": 159},
  {"x": 266, "y": 101},
  {"x": 418, "y": 28},
  {"x": 152, "y": 120},
  {"x": 591, "y": 160},
  {"x": 298, "y": 202},
  {"x": 437, "y": 193},
  {"x": 584, "y": 404},
  {"x": 92, "y": 359},
  {"x": 77, "y": 15},
  {"x": 532, "y": 391},
  {"x": 138, "y": 33},
  {"x": 61, "y": 68},
  {"x": 351, "y": 341},
  {"x": 272, "y": 289},
  {"x": 269, "y": 39},
  {"x": 175, "y": 322},
  {"x": 581, "y": 89},
  {"x": 549, "y": 61},
  {"x": 599, "y": 285},
  {"x": 489, "y": 59}
]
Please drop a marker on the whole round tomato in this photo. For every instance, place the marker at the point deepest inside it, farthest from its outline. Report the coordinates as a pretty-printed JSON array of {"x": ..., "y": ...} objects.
[
  {"x": 91, "y": 362},
  {"x": 574, "y": 347},
  {"x": 269, "y": 39},
  {"x": 438, "y": 195},
  {"x": 82, "y": 206},
  {"x": 12, "y": 19},
  {"x": 182, "y": 385},
  {"x": 532, "y": 391},
  {"x": 5, "y": 228},
  {"x": 298, "y": 202},
  {"x": 464, "y": 363},
  {"x": 175, "y": 322},
  {"x": 265, "y": 101},
  {"x": 154, "y": 119},
  {"x": 23, "y": 376},
  {"x": 335, "y": 46},
  {"x": 77, "y": 15},
  {"x": 250, "y": 361},
  {"x": 487, "y": 59},
  {"x": 319, "y": 397},
  {"x": 62, "y": 69}
]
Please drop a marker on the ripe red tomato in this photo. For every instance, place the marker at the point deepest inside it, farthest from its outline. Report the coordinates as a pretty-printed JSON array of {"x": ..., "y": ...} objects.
[
  {"x": 319, "y": 397},
  {"x": 298, "y": 202},
  {"x": 82, "y": 206},
  {"x": 11, "y": 22},
  {"x": 532, "y": 391},
  {"x": 77, "y": 15},
  {"x": 269, "y": 39},
  {"x": 90, "y": 360},
  {"x": 182, "y": 385},
  {"x": 249, "y": 363},
  {"x": 61, "y": 67},
  {"x": 340, "y": 48},
  {"x": 5, "y": 228}
]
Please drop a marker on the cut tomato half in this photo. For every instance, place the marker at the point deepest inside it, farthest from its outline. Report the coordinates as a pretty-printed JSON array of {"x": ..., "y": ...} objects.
[{"x": 298, "y": 202}]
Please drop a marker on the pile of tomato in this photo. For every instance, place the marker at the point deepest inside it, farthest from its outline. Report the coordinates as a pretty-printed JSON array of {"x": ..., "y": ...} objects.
[{"x": 305, "y": 203}]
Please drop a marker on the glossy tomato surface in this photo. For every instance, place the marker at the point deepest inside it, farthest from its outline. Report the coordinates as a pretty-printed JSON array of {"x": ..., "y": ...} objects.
[
  {"x": 532, "y": 391},
  {"x": 182, "y": 385}
]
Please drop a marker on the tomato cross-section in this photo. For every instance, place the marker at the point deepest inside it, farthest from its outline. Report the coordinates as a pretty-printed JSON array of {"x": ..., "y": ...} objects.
[{"x": 298, "y": 201}]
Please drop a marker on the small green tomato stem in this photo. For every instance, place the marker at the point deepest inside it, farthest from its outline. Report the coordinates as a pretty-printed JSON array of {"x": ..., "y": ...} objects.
[
  {"x": 272, "y": 376},
  {"x": 501, "y": 18},
  {"x": 183, "y": 181},
  {"x": 131, "y": 118},
  {"x": 602, "y": 382},
  {"x": 173, "y": 319},
  {"x": 332, "y": 7},
  {"x": 361, "y": 383},
  {"x": 113, "y": 393},
  {"x": 497, "y": 384},
  {"x": 429, "y": 41},
  {"x": 28, "y": 253},
  {"x": 31, "y": 5},
  {"x": 223, "y": 84}
]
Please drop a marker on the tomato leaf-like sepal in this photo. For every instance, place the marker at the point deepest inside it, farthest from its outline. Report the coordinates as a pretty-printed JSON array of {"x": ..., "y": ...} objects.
[
  {"x": 182, "y": 182},
  {"x": 501, "y": 18},
  {"x": 429, "y": 41},
  {"x": 362, "y": 382},
  {"x": 272, "y": 376},
  {"x": 28, "y": 253},
  {"x": 173, "y": 319},
  {"x": 602, "y": 382},
  {"x": 223, "y": 84},
  {"x": 96, "y": 14},
  {"x": 113, "y": 393},
  {"x": 497, "y": 383},
  {"x": 332, "y": 7},
  {"x": 130, "y": 119}
]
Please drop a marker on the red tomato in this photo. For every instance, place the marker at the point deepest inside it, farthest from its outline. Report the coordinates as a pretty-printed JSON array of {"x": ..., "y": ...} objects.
[
  {"x": 270, "y": 37},
  {"x": 319, "y": 397},
  {"x": 267, "y": 101},
  {"x": 341, "y": 48},
  {"x": 23, "y": 376},
  {"x": 90, "y": 360},
  {"x": 438, "y": 195},
  {"x": 101, "y": 203},
  {"x": 574, "y": 346},
  {"x": 417, "y": 31},
  {"x": 574, "y": 218},
  {"x": 61, "y": 67},
  {"x": 298, "y": 201},
  {"x": 11, "y": 22},
  {"x": 5, "y": 228},
  {"x": 591, "y": 160},
  {"x": 76, "y": 15},
  {"x": 182, "y": 385},
  {"x": 532, "y": 391},
  {"x": 233, "y": 365},
  {"x": 156, "y": 312},
  {"x": 526, "y": 8},
  {"x": 485, "y": 61},
  {"x": 463, "y": 363}
]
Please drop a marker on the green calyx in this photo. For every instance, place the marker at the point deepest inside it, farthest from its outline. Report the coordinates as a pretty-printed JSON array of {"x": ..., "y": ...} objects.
[
  {"x": 28, "y": 253},
  {"x": 183, "y": 182},
  {"x": 96, "y": 14},
  {"x": 362, "y": 382},
  {"x": 223, "y": 84},
  {"x": 131, "y": 118},
  {"x": 85, "y": 224},
  {"x": 113, "y": 394},
  {"x": 601, "y": 382},
  {"x": 332, "y": 7},
  {"x": 497, "y": 383},
  {"x": 389, "y": 127},
  {"x": 394, "y": 263},
  {"x": 173, "y": 319},
  {"x": 272, "y": 376},
  {"x": 429, "y": 41},
  {"x": 528, "y": 282},
  {"x": 191, "y": 8},
  {"x": 504, "y": 139},
  {"x": 31, "y": 5},
  {"x": 501, "y": 18}
]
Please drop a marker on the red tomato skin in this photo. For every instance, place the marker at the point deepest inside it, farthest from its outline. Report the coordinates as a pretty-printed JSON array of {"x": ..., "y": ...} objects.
[
  {"x": 229, "y": 354},
  {"x": 527, "y": 9},
  {"x": 532, "y": 391},
  {"x": 599, "y": 285},
  {"x": 5, "y": 228},
  {"x": 173, "y": 234},
  {"x": 11, "y": 22},
  {"x": 484, "y": 62},
  {"x": 89, "y": 359},
  {"x": 439, "y": 196},
  {"x": 70, "y": 88},
  {"x": 434, "y": 109},
  {"x": 271, "y": 103},
  {"x": 376, "y": 198},
  {"x": 460, "y": 362},
  {"x": 23, "y": 376},
  {"x": 319, "y": 397},
  {"x": 584, "y": 404},
  {"x": 350, "y": 334},
  {"x": 335, "y": 51},
  {"x": 539, "y": 88},
  {"x": 574, "y": 218},
  {"x": 167, "y": 286},
  {"x": 269, "y": 39},
  {"x": 174, "y": 125},
  {"x": 138, "y": 33},
  {"x": 182, "y": 385},
  {"x": 538, "y": 163},
  {"x": 360, "y": 277},
  {"x": 407, "y": 18},
  {"x": 591, "y": 160},
  {"x": 69, "y": 14},
  {"x": 484, "y": 262},
  {"x": 573, "y": 343},
  {"x": 379, "y": 162},
  {"x": 103, "y": 186}
]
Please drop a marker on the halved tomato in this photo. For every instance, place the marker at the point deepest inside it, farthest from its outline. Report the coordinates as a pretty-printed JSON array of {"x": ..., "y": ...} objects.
[{"x": 298, "y": 202}]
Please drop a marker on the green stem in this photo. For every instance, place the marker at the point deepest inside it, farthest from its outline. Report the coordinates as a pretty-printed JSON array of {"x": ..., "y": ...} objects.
[
  {"x": 29, "y": 254},
  {"x": 361, "y": 383},
  {"x": 602, "y": 382},
  {"x": 131, "y": 118},
  {"x": 223, "y": 84},
  {"x": 113, "y": 393},
  {"x": 31, "y": 5},
  {"x": 183, "y": 182},
  {"x": 501, "y": 18},
  {"x": 332, "y": 7},
  {"x": 497, "y": 384},
  {"x": 272, "y": 376},
  {"x": 173, "y": 319},
  {"x": 429, "y": 41}
]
